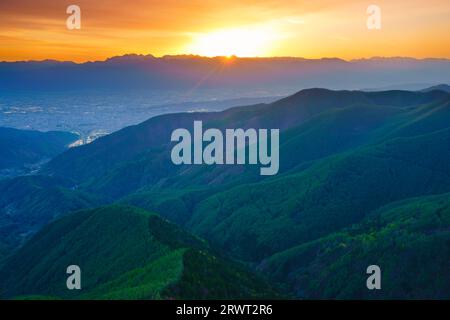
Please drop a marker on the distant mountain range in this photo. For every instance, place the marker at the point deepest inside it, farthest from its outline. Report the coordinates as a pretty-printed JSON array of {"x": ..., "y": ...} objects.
[
  {"x": 271, "y": 75},
  {"x": 441, "y": 87},
  {"x": 363, "y": 180}
]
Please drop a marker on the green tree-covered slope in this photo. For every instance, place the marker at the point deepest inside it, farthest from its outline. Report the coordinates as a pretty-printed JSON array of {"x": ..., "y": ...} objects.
[
  {"x": 256, "y": 220},
  {"x": 139, "y": 156},
  {"x": 124, "y": 253},
  {"x": 355, "y": 166},
  {"x": 409, "y": 240}
]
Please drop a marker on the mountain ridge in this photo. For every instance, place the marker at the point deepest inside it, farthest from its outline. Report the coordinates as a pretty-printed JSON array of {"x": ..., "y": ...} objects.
[
  {"x": 281, "y": 75},
  {"x": 131, "y": 56}
]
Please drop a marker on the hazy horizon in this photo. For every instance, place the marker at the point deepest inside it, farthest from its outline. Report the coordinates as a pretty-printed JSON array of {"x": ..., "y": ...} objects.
[
  {"x": 181, "y": 55},
  {"x": 294, "y": 28}
]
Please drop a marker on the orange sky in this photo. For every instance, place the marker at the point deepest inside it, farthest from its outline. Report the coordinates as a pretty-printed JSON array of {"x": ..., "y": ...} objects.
[{"x": 37, "y": 30}]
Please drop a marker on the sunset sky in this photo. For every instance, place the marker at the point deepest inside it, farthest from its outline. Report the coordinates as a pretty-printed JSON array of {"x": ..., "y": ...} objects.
[{"x": 36, "y": 30}]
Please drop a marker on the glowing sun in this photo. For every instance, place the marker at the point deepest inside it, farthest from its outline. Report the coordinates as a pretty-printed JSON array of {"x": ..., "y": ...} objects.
[{"x": 245, "y": 42}]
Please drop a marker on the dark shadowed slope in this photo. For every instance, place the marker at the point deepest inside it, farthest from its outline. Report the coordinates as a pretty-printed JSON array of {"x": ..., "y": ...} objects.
[
  {"x": 28, "y": 203},
  {"x": 22, "y": 148}
]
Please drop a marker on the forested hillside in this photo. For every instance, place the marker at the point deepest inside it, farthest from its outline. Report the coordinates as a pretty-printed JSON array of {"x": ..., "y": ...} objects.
[
  {"x": 364, "y": 179},
  {"x": 124, "y": 253}
]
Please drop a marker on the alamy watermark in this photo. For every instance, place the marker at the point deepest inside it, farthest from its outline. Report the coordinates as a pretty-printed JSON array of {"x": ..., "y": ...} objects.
[
  {"x": 374, "y": 280},
  {"x": 240, "y": 146},
  {"x": 74, "y": 279},
  {"x": 374, "y": 19},
  {"x": 74, "y": 20}
]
